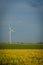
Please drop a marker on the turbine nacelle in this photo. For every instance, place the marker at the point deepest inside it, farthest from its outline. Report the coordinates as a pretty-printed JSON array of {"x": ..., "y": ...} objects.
[{"x": 11, "y": 29}]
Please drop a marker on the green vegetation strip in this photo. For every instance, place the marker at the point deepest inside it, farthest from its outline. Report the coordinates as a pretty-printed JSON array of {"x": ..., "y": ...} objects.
[{"x": 20, "y": 46}]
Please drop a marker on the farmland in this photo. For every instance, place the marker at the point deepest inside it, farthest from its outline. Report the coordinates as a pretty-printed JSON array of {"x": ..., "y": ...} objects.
[
  {"x": 20, "y": 46},
  {"x": 21, "y": 54},
  {"x": 21, "y": 57}
]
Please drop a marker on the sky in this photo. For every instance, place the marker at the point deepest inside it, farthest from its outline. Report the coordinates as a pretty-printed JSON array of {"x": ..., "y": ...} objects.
[{"x": 26, "y": 16}]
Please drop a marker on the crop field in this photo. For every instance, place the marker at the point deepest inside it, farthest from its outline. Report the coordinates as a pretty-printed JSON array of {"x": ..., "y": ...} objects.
[
  {"x": 21, "y": 56},
  {"x": 20, "y": 46}
]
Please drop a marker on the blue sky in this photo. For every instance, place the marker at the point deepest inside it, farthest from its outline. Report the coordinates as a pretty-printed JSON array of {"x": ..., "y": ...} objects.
[{"x": 27, "y": 18}]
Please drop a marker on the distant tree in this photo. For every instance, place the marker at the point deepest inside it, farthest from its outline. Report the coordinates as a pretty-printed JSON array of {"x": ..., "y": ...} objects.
[
  {"x": 21, "y": 42},
  {"x": 41, "y": 42}
]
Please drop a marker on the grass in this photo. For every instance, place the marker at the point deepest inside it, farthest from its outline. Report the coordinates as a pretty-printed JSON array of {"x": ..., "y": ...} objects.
[{"x": 20, "y": 46}]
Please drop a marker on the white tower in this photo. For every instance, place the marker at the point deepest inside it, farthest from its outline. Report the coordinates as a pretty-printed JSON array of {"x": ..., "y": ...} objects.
[{"x": 10, "y": 31}]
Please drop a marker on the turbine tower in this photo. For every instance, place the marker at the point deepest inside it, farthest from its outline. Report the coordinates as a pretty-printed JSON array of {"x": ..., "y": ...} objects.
[{"x": 10, "y": 31}]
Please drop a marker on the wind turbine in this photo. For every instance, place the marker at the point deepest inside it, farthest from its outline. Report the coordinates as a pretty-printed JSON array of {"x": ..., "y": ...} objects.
[{"x": 10, "y": 31}]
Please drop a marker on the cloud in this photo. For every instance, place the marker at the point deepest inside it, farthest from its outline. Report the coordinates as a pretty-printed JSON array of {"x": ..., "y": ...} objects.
[{"x": 34, "y": 3}]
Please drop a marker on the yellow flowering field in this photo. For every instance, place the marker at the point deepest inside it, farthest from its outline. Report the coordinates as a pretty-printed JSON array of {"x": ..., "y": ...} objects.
[{"x": 21, "y": 56}]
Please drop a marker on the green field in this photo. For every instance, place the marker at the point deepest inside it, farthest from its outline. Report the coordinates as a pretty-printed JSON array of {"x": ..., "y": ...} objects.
[{"x": 20, "y": 46}]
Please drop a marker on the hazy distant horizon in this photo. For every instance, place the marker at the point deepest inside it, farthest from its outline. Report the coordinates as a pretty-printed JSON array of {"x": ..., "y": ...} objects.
[{"x": 26, "y": 16}]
